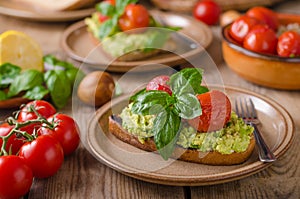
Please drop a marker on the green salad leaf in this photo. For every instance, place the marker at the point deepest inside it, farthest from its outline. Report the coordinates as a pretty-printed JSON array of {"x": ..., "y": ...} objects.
[{"x": 169, "y": 110}]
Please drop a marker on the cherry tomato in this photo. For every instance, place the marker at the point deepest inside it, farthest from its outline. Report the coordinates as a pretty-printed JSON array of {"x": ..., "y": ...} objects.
[
  {"x": 160, "y": 83},
  {"x": 261, "y": 39},
  {"x": 44, "y": 108},
  {"x": 15, "y": 177},
  {"x": 216, "y": 111},
  {"x": 44, "y": 155},
  {"x": 112, "y": 2},
  {"x": 14, "y": 144},
  {"x": 101, "y": 17},
  {"x": 135, "y": 16},
  {"x": 265, "y": 15},
  {"x": 289, "y": 44},
  {"x": 207, "y": 12},
  {"x": 241, "y": 27},
  {"x": 66, "y": 132}
]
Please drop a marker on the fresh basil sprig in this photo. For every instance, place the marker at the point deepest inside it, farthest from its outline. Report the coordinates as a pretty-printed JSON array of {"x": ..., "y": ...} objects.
[
  {"x": 57, "y": 81},
  {"x": 169, "y": 110}
]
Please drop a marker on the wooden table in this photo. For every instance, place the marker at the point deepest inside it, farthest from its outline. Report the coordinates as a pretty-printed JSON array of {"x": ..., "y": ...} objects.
[{"x": 82, "y": 176}]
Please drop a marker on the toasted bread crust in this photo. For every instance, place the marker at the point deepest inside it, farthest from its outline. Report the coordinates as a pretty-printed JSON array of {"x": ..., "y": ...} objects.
[{"x": 189, "y": 155}]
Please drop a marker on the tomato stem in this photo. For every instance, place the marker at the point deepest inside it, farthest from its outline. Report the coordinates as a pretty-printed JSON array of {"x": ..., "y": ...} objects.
[{"x": 18, "y": 125}]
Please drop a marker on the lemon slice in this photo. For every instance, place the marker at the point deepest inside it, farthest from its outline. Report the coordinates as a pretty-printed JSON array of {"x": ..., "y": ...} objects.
[{"x": 20, "y": 49}]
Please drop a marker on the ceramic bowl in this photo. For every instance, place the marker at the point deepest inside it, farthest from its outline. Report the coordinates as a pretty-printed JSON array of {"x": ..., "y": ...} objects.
[{"x": 266, "y": 70}]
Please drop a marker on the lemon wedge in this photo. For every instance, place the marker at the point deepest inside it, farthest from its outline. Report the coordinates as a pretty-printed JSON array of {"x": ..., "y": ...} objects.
[{"x": 20, "y": 49}]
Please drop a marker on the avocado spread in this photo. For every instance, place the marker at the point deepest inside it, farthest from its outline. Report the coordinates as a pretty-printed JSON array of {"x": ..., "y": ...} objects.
[
  {"x": 122, "y": 43},
  {"x": 234, "y": 137}
]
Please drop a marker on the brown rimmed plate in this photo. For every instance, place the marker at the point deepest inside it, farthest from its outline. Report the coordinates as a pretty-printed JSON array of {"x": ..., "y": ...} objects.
[
  {"x": 23, "y": 11},
  {"x": 277, "y": 129},
  {"x": 78, "y": 44}
]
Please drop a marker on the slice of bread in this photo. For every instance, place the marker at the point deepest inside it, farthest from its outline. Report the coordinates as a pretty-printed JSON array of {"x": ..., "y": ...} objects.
[
  {"x": 189, "y": 155},
  {"x": 59, "y": 5}
]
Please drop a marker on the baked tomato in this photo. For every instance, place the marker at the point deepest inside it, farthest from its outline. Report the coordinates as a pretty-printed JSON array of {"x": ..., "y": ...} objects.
[
  {"x": 216, "y": 112},
  {"x": 261, "y": 39},
  {"x": 15, "y": 177},
  {"x": 265, "y": 15},
  {"x": 66, "y": 132},
  {"x": 207, "y": 11},
  {"x": 135, "y": 16},
  {"x": 289, "y": 44},
  {"x": 241, "y": 27},
  {"x": 44, "y": 156},
  {"x": 160, "y": 83},
  {"x": 44, "y": 108},
  {"x": 13, "y": 143}
]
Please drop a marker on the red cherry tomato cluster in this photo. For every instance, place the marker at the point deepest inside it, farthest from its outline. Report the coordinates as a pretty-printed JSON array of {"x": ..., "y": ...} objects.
[
  {"x": 257, "y": 31},
  {"x": 134, "y": 16},
  {"x": 33, "y": 144}
]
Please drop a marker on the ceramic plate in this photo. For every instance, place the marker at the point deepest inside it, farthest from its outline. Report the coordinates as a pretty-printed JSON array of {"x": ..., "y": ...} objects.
[
  {"x": 19, "y": 10},
  {"x": 78, "y": 44},
  {"x": 276, "y": 127},
  {"x": 13, "y": 102}
]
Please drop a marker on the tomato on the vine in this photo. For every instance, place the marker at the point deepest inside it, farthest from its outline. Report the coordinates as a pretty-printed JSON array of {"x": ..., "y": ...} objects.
[
  {"x": 66, "y": 132},
  {"x": 135, "y": 16},
  {"x": 241, "y": 27},
  {"x": 207, "y": 11},
  {"x": 160, "y": 83},
  {"x": 261, "y": 39},
  {"x": 15, "y": 177},
  {"x": 265, "y": 15},
  {"x": 289, "y": 44},
  {"x": 13, "y": 143},
  {"x": 44, "y": 108},
  {"x": 216, "y": 111},
  {"x": 44, "y": 155}
]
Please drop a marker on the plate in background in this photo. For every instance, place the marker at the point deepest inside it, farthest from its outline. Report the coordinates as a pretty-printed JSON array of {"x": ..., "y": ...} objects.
[
  {"x": 78, "y": 44},
  {"x": 18, "y": 10}
]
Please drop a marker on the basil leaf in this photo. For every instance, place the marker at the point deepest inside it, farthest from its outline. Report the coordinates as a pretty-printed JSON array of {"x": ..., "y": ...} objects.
[
  {"x": 187, "y": 80},
  {"x": 134, "y": 97},
  {"x": 121, "y": 5},
  {"x": 8, "y": 72},
  {"x": 106, "y": 9},
  {"x": 150, "y": 102},
  {"x": 165, "y": 129},
  {"x": 2, "y": 95},
  {"x": 72, "y": 72},
  {"x": 108, "y": 28},
  {"x": 187, "y": 106},
  {"x": 36, "y": 93},
  {"x": 25, "y": 81},
  {"x": 59, "y": 86}
]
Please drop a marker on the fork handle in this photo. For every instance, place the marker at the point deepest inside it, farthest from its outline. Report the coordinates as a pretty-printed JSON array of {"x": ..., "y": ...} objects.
[{"x": 265, "y": 154}]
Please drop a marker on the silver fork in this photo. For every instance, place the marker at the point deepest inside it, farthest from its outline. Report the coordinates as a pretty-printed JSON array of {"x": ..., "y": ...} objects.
[{"x": 247, "y": 111}]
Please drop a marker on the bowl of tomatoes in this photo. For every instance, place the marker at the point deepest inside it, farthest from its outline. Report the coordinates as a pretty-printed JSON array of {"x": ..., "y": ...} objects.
[{"x": 263, "y": 47}]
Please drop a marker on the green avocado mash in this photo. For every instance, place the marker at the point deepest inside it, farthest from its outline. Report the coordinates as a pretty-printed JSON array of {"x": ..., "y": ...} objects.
[
  {"x": 234, "y": 137},
  {"x": 122, "y": 43}
]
